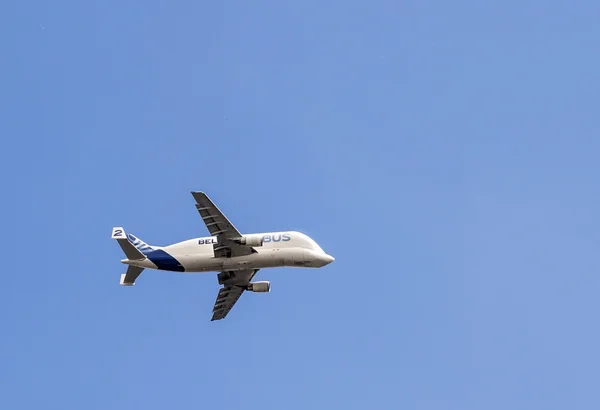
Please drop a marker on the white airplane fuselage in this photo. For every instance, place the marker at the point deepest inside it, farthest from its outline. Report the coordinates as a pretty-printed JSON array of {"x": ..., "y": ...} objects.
[{"x": 278, "y": 249}]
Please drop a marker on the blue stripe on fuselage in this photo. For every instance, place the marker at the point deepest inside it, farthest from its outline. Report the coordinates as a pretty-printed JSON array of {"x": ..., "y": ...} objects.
[{"x": 164, "y": 261}]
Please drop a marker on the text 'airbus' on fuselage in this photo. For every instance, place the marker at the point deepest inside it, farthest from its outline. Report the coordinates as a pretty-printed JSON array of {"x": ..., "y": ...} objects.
[{"x": 235, "y": 256}]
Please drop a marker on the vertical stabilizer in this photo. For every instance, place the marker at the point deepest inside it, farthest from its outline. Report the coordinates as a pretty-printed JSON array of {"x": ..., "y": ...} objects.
[{"x": 131, "y": 251}]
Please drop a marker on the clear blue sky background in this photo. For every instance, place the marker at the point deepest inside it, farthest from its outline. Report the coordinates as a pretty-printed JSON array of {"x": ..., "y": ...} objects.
[{"x": 445, "y": 152}]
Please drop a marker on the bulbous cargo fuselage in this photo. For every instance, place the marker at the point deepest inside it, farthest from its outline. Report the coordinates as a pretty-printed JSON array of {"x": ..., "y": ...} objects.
[{"x": 276, "y": 249}]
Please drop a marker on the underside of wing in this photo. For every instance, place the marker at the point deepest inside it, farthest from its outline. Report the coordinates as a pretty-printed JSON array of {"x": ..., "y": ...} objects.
[
  {"x": 235, "y": 283},
  {"x": 216, "y": 222},
  {"x": 218, "y": 225},
  {"x": 227, "y": 297}
]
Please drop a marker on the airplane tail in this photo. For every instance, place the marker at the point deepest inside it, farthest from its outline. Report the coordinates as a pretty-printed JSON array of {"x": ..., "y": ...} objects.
[
  {"x": 128, "y": 278},
  {"x": 135, "y": 249}
]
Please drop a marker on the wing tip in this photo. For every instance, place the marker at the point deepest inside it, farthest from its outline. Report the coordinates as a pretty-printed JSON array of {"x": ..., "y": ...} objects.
[{"x": 199, "y": 196}]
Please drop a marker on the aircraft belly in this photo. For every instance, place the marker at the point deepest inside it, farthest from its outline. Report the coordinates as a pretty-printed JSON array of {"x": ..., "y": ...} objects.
[
  {"x": 254, "y": 261},
  {"x": 195, "y": 263},
  {"x": 286, "y": 257}
]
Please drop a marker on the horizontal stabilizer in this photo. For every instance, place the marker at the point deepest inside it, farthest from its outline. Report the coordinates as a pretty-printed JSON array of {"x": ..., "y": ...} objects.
[
  {"x": 128, "y": 279},
  {"x": 130, "y": 251}
]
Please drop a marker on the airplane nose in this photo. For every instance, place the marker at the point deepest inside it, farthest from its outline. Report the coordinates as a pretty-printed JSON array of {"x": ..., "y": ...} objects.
[{"x": 328, "y": 259}]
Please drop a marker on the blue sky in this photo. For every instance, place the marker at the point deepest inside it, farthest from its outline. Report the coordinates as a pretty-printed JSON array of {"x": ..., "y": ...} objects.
[{"x": 446, "y": 153}]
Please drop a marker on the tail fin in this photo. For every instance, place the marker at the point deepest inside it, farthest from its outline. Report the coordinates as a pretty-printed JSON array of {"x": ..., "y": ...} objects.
[
  {"x": 139, "y": 244},
  {"x": 134, "y": 248}
]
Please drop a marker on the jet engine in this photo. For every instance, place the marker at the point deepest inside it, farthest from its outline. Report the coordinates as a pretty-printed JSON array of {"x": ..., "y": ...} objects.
[
  {"x": 264, "y": 286},
  {"x": 250, "y": 240}
]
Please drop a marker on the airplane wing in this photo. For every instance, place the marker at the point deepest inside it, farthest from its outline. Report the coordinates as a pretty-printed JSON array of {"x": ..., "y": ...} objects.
[
  {"x": 218, "y": 225},
  {"x": 235, "y": 283}
]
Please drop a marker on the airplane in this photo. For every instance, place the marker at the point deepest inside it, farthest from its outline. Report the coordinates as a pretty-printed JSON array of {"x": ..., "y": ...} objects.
[{"x": 234, "y": 256}]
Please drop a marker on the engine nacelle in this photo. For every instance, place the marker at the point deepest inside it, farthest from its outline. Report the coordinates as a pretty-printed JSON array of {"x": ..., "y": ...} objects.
[
  {"x": 251, "y": 240},
  {"x": 264, "y": 286}
]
